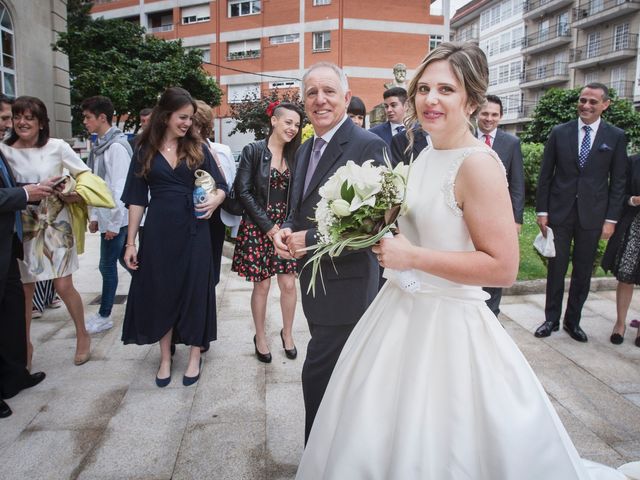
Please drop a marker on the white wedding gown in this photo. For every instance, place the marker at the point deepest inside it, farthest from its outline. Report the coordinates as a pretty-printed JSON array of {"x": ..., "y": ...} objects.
[{"x": 429, "y": 385}]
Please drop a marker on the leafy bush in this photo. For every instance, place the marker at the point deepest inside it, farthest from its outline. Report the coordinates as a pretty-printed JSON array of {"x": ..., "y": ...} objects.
[{"x": 531, "y": 159}]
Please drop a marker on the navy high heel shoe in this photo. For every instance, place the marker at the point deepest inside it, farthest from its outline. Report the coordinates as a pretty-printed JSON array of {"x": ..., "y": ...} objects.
[
  {"x": 163, "y": 382},
  {"x": 186, "y": 381}
]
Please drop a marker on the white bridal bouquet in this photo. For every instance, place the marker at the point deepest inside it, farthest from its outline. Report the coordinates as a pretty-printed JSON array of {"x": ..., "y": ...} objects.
[{"x": 359, "y": 205}]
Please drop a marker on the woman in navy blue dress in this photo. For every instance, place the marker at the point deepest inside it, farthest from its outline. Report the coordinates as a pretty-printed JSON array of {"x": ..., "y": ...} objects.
[{"x": 171, "y": 289}]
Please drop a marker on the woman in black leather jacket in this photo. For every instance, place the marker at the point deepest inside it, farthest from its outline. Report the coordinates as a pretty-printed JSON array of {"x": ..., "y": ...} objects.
[{"x": 262, "y": 185}]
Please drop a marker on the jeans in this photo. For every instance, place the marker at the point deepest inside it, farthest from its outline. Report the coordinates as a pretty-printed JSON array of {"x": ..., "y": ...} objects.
[{"x": 111, "y": 251}]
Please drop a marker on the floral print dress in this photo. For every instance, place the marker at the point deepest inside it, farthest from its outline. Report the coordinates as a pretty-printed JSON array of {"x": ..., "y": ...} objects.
[
  {"x": 254, "y": 257},
  {"x": 48, "y": 241}
]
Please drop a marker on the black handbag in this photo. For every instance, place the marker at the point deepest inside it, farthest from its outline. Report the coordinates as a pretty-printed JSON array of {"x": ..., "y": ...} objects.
[{"x": 232, "y": 203}]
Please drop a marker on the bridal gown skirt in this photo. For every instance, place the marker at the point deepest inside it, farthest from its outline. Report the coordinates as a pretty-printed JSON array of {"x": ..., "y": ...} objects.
[{"x": 430, "y": 386}]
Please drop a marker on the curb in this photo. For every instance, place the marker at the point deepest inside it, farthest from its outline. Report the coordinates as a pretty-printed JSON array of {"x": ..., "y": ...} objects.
[{"x": 522, "y": 287}]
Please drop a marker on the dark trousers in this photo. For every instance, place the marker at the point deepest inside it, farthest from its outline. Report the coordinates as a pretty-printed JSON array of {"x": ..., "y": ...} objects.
[
  {"x": 494, "y": 302},
  {"x": 585, "y": 245},
  {"x": 13, "y": 331},
  {"x": 323, "y": 351}
]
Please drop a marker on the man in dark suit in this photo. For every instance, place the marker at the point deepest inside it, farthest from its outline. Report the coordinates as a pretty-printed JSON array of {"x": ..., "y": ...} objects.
[
  {"x": 400, "y": 142},
  {"x": 353, "y": 284},
  {"x": 508, "y": 149},
  {"x": 14, "y": 375},
  {"x": 580, "y": 196},
  {"x": 395, "y": 107}
]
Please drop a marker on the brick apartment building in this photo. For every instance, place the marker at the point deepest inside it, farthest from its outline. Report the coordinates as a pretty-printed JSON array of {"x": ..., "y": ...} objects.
[{"x": 256, "y": 45}]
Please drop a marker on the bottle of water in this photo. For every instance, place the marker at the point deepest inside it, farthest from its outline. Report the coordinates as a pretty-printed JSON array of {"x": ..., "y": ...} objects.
[{"x": 199, "y": 196}]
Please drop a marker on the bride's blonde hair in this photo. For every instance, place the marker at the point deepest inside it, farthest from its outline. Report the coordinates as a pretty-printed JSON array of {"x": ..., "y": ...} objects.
[{"x": 469, "y": 66}]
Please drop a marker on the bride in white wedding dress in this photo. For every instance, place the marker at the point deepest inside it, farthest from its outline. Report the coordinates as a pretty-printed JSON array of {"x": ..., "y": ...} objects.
[{"x": 429, "y": 385}]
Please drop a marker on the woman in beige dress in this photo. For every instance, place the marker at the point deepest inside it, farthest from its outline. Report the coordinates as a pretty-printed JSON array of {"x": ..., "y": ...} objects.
[{"x": 49, "y": 246}]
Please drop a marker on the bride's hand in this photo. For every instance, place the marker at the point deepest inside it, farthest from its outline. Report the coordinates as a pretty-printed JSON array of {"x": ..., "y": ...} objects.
[{"x": 395, "y": 253}]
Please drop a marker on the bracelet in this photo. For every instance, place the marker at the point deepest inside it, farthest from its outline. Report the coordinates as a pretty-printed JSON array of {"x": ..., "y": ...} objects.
[{"x": 130, "y": 245}]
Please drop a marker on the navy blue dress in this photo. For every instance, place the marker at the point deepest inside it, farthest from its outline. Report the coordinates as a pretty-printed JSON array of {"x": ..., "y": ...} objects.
[{"x": 174, "y": 284}]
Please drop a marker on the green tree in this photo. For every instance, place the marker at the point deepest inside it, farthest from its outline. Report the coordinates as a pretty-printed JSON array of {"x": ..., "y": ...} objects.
[
  {"x": 559, "y": 106},
  {"x": 115, "y": 58},
  {"x": 251, "y": 113}
]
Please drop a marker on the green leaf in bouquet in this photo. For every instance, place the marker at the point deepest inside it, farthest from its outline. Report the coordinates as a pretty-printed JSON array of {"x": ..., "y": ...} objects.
[{"x": 347, "y": 192}]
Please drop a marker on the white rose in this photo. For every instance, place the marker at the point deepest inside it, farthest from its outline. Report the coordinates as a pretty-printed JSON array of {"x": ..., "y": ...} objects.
[
  {"x": 340, "y": 207},
  {"x": 332, "y": 188}
]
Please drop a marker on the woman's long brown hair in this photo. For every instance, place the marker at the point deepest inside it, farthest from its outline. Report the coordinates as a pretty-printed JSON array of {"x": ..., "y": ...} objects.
[{"x": 189, "y": 147}]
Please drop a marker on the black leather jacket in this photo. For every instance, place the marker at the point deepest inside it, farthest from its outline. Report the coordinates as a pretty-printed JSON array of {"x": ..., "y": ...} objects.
[{"x": 251, "y": 185}]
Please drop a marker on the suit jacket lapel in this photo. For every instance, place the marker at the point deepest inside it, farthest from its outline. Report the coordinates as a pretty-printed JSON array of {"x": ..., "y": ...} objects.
[
  {"x": 573, "y": 142},
  {"x": 331, "y": 154},
  {"x": 302, "y": 163},
  {"x": 12, "y": 179},
  {"x": 601, "y": 134}
]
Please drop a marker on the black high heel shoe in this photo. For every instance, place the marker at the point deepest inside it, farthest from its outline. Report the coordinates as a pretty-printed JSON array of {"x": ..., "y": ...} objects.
[
  {"x": 293, "y": 353},
  {"x": 263, "y": 357},
  {"x": 163, "y": 382},
  {"x": 186, "y": 381},
  {"x": 617, "y": 338}
]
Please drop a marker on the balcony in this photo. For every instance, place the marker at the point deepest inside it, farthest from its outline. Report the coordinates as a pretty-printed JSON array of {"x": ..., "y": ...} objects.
[
  {"x": 245, "y": 55},
  {"x": 161, "y": 28},
  {"x": 552, "y": 37},
  {"x": 594, "y": 12},
  {"x": 470, "y": 35},
  {"x": 609, "y": 50},
  {"x": 545, "y": 75},
  {"x": 539, "y": 8},
  {"x": 624, "y": 88}
]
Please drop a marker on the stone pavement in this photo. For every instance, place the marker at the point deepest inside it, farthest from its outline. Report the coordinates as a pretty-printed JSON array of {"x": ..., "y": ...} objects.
[{"x": 244, "y": 419}]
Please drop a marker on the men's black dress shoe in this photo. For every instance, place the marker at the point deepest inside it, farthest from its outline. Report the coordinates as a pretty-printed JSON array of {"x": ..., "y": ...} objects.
[
  {"x": 263, "y": 357},
  {"x": 5, "y": 411},
  {"x": 293, "y": 353},
  {"x": 34, "y": 379},
  {"x": 546, "y": 328},
  {"x": 575, "y": 332}
]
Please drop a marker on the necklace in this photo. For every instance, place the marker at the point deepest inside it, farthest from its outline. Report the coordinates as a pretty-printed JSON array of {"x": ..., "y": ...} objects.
[{"x": 167, "y": 148}]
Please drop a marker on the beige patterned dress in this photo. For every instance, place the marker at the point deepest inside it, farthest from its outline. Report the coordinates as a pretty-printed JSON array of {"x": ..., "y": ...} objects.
[{"x": 49, "y": 246}]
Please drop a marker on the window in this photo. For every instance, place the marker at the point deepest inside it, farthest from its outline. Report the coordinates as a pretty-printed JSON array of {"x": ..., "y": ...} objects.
[
  {"x": 239, "y": 93},
  {"x": 591, "y": 77},
  {"x": 7, "y": 49},
  {"x": 199, "y": 13},
  {"x": 596, "y": 6},
  {"x": 618, "y": 82},
  {"x": 206, "y": 52},
  {"x": 593, "y": 44},
  {"x": 243, "y": 49},
  {"x": 621, "y": 37},
  {"x": 280, "y": 39},
  {"x": 240, "y": 8},
  {"x": 503, "y": 42},
  {"x": 321, "y": 41},
  {"x": 543, "y": 31},
  {"x": 321, "y": 2},
  {"x": 560, "y": 66},
  {"x": 162, "y": 22},
  {"x": 562, "y": 23},
  {"x": 435, "y": 40}
]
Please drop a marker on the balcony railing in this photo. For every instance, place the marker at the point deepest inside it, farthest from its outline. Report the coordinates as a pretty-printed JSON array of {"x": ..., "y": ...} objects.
[
  {"x": 560, "y": 32},
  {"x": 624, "y": 88},
  {"x": 161, "y": 28},
  {"x": 535, "y": 7},
  {"x": 593, "y": 12},
  {"x": 607, "y": 50},
  {"x": 243, "y": 55},
  {"x": 549, "y": 73}
]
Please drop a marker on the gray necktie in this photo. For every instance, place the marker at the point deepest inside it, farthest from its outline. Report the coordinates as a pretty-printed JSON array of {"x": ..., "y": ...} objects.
[{"x": 316, "y": 153}]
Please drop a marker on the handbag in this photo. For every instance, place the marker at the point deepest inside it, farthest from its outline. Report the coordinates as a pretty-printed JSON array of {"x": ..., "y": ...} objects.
[{"x": 232, "y": 203}]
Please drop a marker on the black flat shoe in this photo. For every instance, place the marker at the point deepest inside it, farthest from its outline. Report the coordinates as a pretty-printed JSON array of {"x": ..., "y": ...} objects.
[
  {"x": 5, "y": 411},
  {"x": 263, "y": 357},
  {"x": 617, "y": 338},
  {"x": 186, "y": 381},
  {"x": 293, "y": 353},
  {"x": 546, "y": 328},
  {"x": 575, "y": 332},
  {"x": 163, "y": 382}
]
